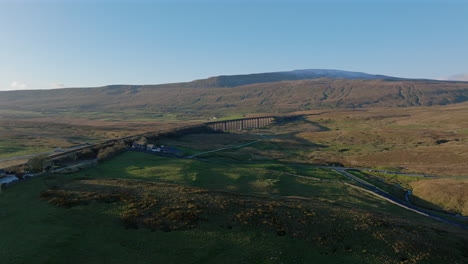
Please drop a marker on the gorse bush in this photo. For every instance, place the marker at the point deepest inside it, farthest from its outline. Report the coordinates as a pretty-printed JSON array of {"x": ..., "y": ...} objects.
[
  {"x": 70, "y": 199},
  {"x": 38, "y": 163},
  {"x": 333, "y": 230}
]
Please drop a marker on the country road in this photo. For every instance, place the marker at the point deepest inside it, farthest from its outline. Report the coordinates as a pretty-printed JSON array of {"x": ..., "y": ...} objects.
[{"x": 397, "y": 201}]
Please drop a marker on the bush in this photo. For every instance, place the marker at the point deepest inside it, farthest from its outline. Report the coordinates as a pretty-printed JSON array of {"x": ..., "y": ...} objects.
[
  {"x": 38, "y": 163},
  {"x": 109, "y": 152},
  {"x": 68, "y": 199},
  {"x": 87, "y": 154}
]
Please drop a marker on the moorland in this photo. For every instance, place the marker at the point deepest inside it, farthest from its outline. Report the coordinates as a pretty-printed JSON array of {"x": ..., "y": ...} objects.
[{"x": 276, "y": 200}]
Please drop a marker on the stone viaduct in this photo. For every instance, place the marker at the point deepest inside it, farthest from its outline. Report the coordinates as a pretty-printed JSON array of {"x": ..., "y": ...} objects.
[{"x": 241, "y": 124}]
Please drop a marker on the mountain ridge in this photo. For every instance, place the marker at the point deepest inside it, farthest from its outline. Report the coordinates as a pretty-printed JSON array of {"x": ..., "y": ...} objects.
[
  {"x": 295, "y": 75},
  {"x": 252, "y": 78},
  {"x": 269, "y": 92}
]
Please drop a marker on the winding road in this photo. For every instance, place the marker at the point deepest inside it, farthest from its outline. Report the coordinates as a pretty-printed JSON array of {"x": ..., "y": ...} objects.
[{"x": 397, "y": 201}]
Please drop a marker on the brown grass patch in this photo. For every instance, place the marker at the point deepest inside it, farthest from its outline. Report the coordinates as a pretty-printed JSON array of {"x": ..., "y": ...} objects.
[{"x": 447, "y": 194}]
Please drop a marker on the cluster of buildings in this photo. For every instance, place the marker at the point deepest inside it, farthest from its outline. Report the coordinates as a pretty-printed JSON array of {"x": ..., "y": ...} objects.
[{"x": 154, "y": 148}]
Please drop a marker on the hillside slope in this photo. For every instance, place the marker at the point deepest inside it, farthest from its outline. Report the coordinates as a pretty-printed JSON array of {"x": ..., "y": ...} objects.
[
  {"x": 280, "y": 96},
  {"x": 245, "y": 79}
]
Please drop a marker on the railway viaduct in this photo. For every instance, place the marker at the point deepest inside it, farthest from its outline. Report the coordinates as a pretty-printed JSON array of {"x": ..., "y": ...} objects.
[{"x": 241, "y": 124}]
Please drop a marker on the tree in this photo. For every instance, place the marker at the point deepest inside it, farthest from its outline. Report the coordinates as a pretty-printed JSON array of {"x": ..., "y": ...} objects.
[
  {"x": 39, "y": 163},
  {"x": 109, "y": 152},
  {"x": 142, "y": 141}
]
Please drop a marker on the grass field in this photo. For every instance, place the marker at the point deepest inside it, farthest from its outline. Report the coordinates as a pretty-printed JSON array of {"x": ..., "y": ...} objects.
[
  {"x": 138, "y": 208},
  {"x": 431, "y": 140},
  {"x": 246, "y": 179},
  {"x": 34, "y": 231},
  {"x": 13, "y": 143},
  {"x": 423, "y": 140},
  {"x": 443, "y": 194},
  {"x": 428, "y": 140},
  {"x": 24, "y": 134}
]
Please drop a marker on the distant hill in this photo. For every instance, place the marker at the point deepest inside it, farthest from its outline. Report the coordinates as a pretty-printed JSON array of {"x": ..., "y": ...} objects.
[
  {"x": 238, "y": 80},
  {"x": 265, "y": 92}
]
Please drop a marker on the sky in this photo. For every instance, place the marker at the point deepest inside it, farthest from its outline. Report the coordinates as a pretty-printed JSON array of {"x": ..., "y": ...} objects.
[{"x": 48, "y": 44}]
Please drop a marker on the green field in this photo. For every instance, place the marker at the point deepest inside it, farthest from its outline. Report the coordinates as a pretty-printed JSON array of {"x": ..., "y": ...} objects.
[
  {"x": 34, "y": 231},
  {"x": 140, "y": 207},
  {"x": 246, "y": 179}
]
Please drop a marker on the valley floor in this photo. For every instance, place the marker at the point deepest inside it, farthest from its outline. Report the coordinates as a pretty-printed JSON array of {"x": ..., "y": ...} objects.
[
  {"x": 138, "y": 207},
  {"x": 239, "y": 199}
]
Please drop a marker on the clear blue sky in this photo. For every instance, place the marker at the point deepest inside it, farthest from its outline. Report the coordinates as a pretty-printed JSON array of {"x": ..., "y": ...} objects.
[{"x": 78, "y": 43}]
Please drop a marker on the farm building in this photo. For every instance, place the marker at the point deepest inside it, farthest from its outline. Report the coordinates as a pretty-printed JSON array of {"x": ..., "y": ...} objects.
[
  {"x": 151, "y": 147},
  {"x": 154, "y": 148}
]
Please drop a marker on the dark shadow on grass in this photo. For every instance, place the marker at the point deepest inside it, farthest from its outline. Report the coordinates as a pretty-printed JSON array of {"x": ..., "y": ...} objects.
[{"x": 300, "y": 118}]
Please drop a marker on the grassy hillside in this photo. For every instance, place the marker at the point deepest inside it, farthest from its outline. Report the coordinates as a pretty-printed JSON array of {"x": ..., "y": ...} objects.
[
  {"x": 246, "y": 79},
  {"x": 139, "y": 207},
  {"x": 443, "y": 194},
  {"x": 24, "y": 133},
  {"x": 431, "y": 140},
  {"x": 184, "y": 100}
]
